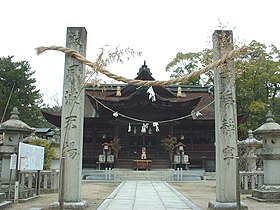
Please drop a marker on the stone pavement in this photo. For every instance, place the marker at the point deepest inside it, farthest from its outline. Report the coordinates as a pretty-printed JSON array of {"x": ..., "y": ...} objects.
[{"x": 134, "y": 195}]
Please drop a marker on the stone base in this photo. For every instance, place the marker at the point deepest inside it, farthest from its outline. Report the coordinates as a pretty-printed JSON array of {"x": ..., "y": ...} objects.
[
  {"x": 266, "y": 193},
  {"x": 70, "y": 205},
  {"x": 231, "y": 205}
]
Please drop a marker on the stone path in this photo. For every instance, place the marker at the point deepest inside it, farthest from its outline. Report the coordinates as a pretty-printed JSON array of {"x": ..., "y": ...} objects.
[{"x": 136, "y": 195}]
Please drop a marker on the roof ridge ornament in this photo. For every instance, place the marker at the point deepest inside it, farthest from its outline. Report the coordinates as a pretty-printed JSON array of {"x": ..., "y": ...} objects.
[{"x": 144, "y": 67}]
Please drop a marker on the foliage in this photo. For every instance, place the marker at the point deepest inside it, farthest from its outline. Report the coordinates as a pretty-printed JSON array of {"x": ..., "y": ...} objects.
[
  {"x": 50, "y": 152},
  {"x": 169, "y": 143},
  {"x": 116, "y": 146},
  {"x": 185, "y": 63},
  {"x": 16, "y": 78},
  {"x": 257, "y": 81},
  {"x": 106, "y": 57},
  {"x": 258, "y": 84}
]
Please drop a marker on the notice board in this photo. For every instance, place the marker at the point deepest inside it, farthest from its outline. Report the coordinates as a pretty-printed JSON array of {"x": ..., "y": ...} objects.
[{"x": 30, "y": 157}]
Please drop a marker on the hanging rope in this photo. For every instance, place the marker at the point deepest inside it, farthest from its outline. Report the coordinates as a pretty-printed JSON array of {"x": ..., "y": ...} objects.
[{"x": 232, "y": 54}]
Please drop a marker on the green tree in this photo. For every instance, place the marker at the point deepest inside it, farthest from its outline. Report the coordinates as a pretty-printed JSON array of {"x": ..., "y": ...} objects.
[
  {"x": 185, "y": 63},
  {"x": 169, "y": 143},
  {"x": 16, "y": 78},
  {"x": 257, "y": 81},
  {"x": 258, "y": 84},
  {"x": 115, "y": 144}
]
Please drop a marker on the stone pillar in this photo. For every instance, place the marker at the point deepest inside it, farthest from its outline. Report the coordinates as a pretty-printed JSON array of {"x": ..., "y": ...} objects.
[
  {"x": 225, "y": 125},
  {"x": 270, "y": 153},
  {"x": 72, "y": 120}
]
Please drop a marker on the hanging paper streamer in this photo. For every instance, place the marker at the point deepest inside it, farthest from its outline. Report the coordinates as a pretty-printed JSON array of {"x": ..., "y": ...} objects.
[
  {"x": 129, "y": 128},
  {"x": 115, "y": 114},
  {"x": 150, "y": 130},
  {"x": 144, "y": 127},
  {"x": 152, "y": 95},
  {"x": 196, "y": 114},
  {"x": 155, "y": 124}
]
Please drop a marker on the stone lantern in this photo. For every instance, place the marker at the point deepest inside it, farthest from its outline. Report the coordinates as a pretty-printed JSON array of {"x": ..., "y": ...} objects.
[
  {"x": 270, "y": 153},
  {"x": 249, "y": 147},
  {"x": 13, "y": 131}
]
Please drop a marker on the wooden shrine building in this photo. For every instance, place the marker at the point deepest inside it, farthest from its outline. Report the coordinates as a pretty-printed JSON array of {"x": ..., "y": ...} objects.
[{"x": 185, "y": 112}]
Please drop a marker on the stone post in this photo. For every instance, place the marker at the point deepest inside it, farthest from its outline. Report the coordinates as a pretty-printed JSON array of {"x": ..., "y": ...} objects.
[
  {"x": 72, "y": 121},
  {"x": 225, "y": 125},
  {"x": 270, "y": 153}
]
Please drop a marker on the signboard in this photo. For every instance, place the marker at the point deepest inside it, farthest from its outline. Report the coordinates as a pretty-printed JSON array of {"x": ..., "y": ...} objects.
[{"x": 30, "y": 157}]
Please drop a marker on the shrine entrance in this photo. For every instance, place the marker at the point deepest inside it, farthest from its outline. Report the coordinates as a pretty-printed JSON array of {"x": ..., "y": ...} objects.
[{"x": 148, "y": 141}]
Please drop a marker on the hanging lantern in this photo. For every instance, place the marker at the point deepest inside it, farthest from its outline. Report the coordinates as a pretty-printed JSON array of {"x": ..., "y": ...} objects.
[
  {"x": 119, "y": 93},
  {"x": 134, "y": 130},
  {"x": 179, "y": 92}
]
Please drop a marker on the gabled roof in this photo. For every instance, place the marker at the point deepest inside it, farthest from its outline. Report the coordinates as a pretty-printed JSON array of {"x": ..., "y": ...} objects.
[{"x": 134, "y": 101}]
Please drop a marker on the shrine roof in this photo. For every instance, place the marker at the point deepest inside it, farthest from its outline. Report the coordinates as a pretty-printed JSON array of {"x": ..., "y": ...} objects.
[
  {"x": 133, "y": 97},
  {"x": 201, "y": 96}
]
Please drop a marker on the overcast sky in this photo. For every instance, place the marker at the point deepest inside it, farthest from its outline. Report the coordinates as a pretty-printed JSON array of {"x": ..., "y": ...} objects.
[{"x": 158, "y": 28}]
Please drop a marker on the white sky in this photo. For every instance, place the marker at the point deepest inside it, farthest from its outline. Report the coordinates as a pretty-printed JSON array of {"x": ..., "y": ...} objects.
[{"x": 158, "y": 28}]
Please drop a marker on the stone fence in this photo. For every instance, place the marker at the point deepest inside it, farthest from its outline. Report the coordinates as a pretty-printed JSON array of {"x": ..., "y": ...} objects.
[
  {"x": 250, "y": 181},
  {"x": 48, "y": 180}
]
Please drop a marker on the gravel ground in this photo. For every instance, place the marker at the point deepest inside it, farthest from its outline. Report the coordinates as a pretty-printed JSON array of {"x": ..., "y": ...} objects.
[
  {"x": 94, "y": 193},
  {"x": 202, "y": 192}
]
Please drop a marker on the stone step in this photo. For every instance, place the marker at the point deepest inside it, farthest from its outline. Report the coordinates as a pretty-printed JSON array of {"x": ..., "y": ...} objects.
[
  {"x": 154, "y": 174},
  {"x": 36, "y": 208}
]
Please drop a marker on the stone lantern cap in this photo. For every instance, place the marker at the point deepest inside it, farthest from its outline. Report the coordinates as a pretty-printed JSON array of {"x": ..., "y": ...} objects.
[
  {"x": 15, "y": 124},
  {"x": 250, "y": 140},
  {"x": 269, "y": 126}
]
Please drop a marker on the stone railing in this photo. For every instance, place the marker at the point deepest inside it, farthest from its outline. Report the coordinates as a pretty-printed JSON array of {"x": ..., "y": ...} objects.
[
  {"x": 250, "y": 181},
  {"x": 188, "y": 175},
  {"x": 48, "y": 182}
]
